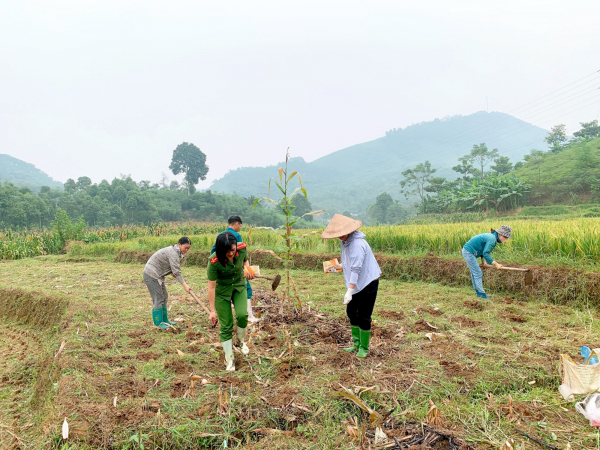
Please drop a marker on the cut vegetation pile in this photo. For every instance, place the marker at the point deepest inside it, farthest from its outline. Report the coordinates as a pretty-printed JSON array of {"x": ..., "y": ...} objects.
[
  {"x": 29, "y": 321},
  {"x": 558, "y": 285}
]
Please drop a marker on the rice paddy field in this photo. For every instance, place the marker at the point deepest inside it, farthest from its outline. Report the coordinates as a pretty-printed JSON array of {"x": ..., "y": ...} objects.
[
  {"x": 573, "y": 242},
  {"x": 445, "y": 369}
]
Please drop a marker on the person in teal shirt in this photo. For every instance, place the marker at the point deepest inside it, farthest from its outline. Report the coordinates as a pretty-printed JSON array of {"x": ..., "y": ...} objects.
[
  {"x": 234, "y": 225},
  {"x": 481, "y": 246}
]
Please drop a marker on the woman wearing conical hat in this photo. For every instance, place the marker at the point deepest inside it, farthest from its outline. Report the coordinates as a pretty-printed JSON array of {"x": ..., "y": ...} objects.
[{"x": 361, "y": 275}]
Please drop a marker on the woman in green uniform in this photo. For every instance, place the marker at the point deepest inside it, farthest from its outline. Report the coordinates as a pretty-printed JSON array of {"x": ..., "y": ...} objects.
[{"x": 227, "y": 285}]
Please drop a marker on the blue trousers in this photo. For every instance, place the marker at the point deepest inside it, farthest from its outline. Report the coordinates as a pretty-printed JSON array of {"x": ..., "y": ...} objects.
[{"x": 476, "y": 273}]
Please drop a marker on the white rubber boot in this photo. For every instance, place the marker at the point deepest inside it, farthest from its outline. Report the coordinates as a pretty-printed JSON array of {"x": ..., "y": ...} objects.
[
  {"x": 228, "y": 349},
  {"x": 241, "y": 334},
  {"x": 251, "y": 317}
]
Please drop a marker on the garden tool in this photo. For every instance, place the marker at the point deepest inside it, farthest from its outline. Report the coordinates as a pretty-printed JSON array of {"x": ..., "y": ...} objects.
[
  {"x": 275, "y": 280},
  {"x": 200, "y": 302},
  {"x": 528, "y": 274}
]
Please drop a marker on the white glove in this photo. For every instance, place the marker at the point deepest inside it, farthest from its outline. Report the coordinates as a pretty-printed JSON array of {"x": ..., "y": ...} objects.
[{"x": 348, "y": 296}]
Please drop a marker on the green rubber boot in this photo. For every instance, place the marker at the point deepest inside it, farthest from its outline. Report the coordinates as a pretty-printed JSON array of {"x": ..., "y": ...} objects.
[
  {"x": 157, "y": 318},
  {"x": 165, "y": 317},
  {"x": 355, "y": 340},
  {"x": 365, "y": 337}
]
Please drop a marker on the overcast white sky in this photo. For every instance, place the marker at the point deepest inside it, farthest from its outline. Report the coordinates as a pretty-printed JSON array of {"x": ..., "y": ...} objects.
[{"x": 102, "y": 88}]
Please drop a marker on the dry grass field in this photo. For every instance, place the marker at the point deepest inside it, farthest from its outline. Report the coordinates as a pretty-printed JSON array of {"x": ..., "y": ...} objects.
[{"x": 490, "y": 368}]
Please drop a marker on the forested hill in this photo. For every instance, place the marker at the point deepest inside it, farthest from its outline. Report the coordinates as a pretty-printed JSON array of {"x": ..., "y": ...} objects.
[
  {"x": 563, "y": 176},
  {"x": 350, "y": 179},
  {"x": 23, "y": 174}
]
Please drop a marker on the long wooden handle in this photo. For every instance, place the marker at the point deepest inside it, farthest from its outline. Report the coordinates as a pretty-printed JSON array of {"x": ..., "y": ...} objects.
[
  {"x": 200, "y": 302},
  {"x": 518, "y": 269},
  {"x": 262, "y": 276}
]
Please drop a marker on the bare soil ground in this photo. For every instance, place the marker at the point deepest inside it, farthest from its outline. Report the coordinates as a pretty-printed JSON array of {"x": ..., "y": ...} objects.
[{"x": 444, "y": 371}]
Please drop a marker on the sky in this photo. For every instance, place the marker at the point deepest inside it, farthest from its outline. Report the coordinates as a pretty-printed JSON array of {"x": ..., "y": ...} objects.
[{"x": 110, "y": 88}]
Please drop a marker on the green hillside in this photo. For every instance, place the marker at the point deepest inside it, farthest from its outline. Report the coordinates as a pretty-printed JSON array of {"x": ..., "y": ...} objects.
[
  {"x": 570, "y": 175},
  {"x": 23, "y": 174},
  {"x": 350, "y": 179}
]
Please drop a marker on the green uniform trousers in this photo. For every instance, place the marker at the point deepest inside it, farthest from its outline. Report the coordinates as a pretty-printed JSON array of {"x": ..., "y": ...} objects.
[{"x": 223, "y": 307}]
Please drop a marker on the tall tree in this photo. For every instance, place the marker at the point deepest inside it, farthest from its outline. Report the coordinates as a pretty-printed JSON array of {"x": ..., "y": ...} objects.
[
  {"x": 556, "y": 138},
  {"x": 502, "y": 166},
  {"x": 415, "y": 181},
  {"x": 188, "y": 159},
  {"x": 439, "y": 184},
  {"x": 466, "y": 169},
  {"x": 378, "y": 210},
  {"x": 589, "y": 130},
  {"x": 481, "y": 156},
  {"x": 83, "y": 183}
]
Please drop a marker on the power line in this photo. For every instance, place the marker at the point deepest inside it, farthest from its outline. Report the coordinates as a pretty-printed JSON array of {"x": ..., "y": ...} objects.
[
  {"x": 464, "y": 133},
  {"x": 506, "y": 120},
  {"x": 513, "y": 132}
]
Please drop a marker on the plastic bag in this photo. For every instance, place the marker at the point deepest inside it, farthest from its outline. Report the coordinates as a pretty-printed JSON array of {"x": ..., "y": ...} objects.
[
  {"x": 590, "y": 408},
  {"x": 332, "y": 266},
  {"x": 582, "y": 379}
]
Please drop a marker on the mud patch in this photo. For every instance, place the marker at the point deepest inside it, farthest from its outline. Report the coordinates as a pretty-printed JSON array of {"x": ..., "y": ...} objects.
[
  {"x": 147, "y": 356},
  {"x": 422, "y": 325},
  {"x": 513, "y": 317},
  {"x": 474, "y": 305},
  {"x": 393, "y": 315},
  {"x": 463, "y": 321},
  {"x": 142, "y": 343},
  {"x": 430, "y": 310},
  {"x": 179, "y": 367}
]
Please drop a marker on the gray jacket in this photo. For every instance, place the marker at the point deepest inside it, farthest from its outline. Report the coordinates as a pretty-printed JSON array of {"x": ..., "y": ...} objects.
[{"x": 164, "y": 262}]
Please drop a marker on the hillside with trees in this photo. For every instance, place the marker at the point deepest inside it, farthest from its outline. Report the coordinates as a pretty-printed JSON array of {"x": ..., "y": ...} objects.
[
  {"x": 351, "y": 178},
  {"x": 23, "y": 174},
  {"x": 123, "y": 201},
  {"x": 566, "y": 173}
]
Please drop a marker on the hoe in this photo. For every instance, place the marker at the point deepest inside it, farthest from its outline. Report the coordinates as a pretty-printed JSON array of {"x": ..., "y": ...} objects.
[
  {"x": 275, "y": 280},
  {"x": 528, "y": 274}
]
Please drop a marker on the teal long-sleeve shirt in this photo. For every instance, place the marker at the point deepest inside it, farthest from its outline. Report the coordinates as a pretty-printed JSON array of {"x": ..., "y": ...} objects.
[
  {"x": 482, "y": 245},
  {"x": 238, "y": 237}
]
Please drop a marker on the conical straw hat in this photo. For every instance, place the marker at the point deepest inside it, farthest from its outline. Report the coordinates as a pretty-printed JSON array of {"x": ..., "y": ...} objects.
[{"x": 340, "y": 226}]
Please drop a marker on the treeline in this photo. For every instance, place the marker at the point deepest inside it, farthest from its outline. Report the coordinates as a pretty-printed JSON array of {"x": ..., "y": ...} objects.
[
  {"x": 123, "y": 201},
  {"x": 486, "y": 179}
]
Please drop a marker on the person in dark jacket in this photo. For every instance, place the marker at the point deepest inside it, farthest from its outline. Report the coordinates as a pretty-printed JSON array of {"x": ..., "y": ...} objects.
[
  {"x": 481, "y": 246},
  {"x": 361, "y": 275}
]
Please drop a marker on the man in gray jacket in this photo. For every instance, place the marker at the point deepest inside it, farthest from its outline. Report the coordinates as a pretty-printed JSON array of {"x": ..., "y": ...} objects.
[{"x": 162, "y": 263}]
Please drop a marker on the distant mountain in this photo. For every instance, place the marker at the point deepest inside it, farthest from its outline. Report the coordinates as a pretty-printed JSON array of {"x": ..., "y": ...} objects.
[
  {"x": 350, "y": 179},
  {"x": 24, "y": 174}
]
